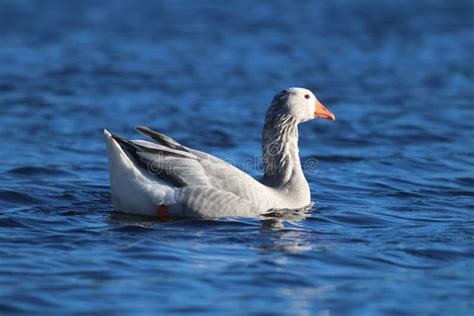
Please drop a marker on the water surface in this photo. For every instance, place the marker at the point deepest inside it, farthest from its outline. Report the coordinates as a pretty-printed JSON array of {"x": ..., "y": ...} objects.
[{"x": 391, "y": 230}]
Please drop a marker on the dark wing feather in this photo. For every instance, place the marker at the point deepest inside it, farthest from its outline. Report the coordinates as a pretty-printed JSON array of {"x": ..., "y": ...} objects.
[
  {"x": 160, "y": 138},
  {"x": 174, "y": 166}
]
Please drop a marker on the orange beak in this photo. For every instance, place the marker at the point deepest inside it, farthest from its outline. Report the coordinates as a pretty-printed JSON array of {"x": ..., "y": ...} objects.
[{"x": 323, "y": 113}]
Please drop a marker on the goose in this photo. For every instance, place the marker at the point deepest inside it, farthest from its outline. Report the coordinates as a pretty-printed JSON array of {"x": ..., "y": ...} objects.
[{"x": 169, "y": 180}]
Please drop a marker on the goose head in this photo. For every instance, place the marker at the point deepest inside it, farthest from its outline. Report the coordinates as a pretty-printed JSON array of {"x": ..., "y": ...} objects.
[{"x": 300, "y": 104}]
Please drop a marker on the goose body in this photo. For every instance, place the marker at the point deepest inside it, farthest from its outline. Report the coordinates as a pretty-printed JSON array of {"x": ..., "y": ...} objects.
[{"x": 166, "y": 179}]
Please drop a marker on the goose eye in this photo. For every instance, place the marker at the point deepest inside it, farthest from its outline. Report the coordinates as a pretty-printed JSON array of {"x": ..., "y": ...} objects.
[{"x": 306, "y": 96}]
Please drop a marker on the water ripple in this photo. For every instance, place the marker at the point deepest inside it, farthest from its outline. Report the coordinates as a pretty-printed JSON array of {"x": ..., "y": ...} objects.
[{"x": 392, "y": 183}]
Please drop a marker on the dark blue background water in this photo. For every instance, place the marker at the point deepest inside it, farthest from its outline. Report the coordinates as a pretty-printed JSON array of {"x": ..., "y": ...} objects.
[{"x": 392, "y": 228}]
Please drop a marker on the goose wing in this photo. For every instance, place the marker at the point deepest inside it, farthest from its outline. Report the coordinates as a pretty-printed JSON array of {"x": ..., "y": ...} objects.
[
  {"x": 177, "y": 167},
  {"x": 220, "y": 174}
]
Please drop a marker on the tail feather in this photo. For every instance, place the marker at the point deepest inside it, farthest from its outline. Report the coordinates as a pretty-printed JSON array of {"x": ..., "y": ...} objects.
[{"x": 133, "y": 189}]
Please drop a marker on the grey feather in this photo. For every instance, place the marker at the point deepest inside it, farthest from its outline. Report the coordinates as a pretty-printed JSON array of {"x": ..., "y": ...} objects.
[{"x": 175, "y": 167}]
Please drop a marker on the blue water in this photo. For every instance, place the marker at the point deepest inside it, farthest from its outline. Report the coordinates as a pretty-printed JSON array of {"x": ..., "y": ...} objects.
[{"x": 392, "y": 227}]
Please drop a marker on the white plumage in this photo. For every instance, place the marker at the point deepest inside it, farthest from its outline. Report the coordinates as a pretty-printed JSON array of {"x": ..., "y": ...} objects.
[{"x": 168, "y": 179}]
